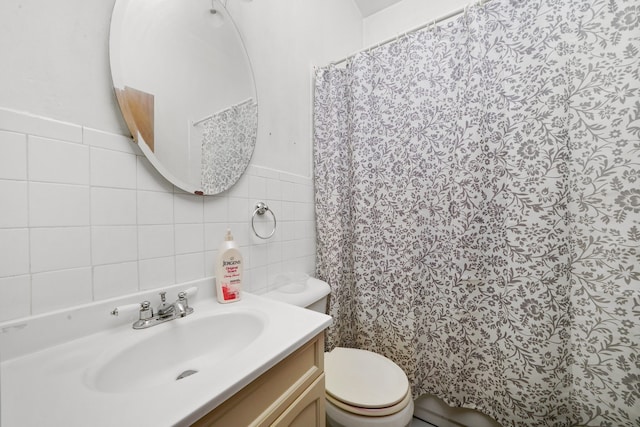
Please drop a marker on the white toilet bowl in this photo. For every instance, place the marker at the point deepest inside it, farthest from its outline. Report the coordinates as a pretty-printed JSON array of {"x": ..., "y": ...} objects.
[
  {"x": 340, "y": 418},
  {"x": 363, "y": 389}
]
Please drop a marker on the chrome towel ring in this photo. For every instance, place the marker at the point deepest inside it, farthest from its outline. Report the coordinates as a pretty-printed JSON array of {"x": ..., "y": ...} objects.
[{"x": 261, "y": 209}]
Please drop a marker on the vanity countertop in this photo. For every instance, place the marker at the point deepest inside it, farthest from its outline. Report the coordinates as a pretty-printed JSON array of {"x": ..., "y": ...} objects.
[{"x": 53, "y": 385}]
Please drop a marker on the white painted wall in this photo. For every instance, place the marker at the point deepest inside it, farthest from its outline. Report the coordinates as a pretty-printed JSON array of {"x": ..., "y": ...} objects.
[
  {"x": 55, "y": 61},
  {"x": 285, "y": 39},
  {"x": 55, "y": 64},
  {"x": 405, "y": 15},
  {"x": 83, "y": 216}
]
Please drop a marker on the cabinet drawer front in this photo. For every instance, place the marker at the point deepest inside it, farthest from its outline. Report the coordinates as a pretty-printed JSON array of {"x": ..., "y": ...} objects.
[
  {"x": 264, "y": 399},
  {"x": 307, "y": 410}
]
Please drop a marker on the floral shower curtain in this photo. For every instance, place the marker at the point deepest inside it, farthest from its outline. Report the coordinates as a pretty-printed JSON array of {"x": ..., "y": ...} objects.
[
  {"x": 228, "y": 139},
  {"x": 478, "y": 209}
]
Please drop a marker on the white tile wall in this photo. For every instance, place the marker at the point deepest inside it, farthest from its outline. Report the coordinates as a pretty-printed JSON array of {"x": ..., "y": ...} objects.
[
  {"x": 155, "y": 207},
  {"x": 111, "y": 168},
  {"x": 46, "y": 155},
  {"x": 39, "y": 126},
  {"x": 55, "y": 205},
  {"x": 113, "y": 280},
  {"x": 155, "y": 241},
  {"x": 16, "y": 213},
  {"x": 189, "y": 209},
  {"x": 216, "y": 209},
  {"x": 113, "y": 206},
  {"x": 113, "y": 244},
  {"x": 60, "y": 289},
  {"x": 189, "y": 238},
  {"x": 13, "y": 155},
  {"x": 189, "y": 267},
  {"x": 59, "y": 248},
  {"x": 84, "y": 217},
  {"x": 157, "y": 272},
  {"x": 15, "y": 297},
  {"x": 14, "y": 252}
]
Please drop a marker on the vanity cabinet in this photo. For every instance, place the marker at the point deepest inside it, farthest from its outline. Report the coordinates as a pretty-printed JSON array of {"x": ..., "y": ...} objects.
[{"x": 291, "y": 393}]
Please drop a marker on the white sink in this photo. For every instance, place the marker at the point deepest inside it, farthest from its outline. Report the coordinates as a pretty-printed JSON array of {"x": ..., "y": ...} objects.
[
  {"x": 174, "y": 351},
  {"x": 84, "y": 364}
]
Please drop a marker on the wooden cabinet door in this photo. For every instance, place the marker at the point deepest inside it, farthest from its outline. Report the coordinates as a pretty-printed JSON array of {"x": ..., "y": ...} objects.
[
  {"x": 265, "y": 399},
  {"x": 307, "y": 410}
]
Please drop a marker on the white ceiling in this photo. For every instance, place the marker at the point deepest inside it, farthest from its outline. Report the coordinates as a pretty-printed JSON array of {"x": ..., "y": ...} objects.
[{"x": 369, "y": 7}]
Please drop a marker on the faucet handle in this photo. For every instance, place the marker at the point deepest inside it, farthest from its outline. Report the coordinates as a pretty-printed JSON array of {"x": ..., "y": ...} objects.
[
  {"x": 187, "y": 293},
  {"x": 184, "y": 303},
  {"x": 182, "y": 299},
  {"x": 191, "y": 292},
  {"x": 122, "y": 309},
  {"x": 146, "y": 312}
]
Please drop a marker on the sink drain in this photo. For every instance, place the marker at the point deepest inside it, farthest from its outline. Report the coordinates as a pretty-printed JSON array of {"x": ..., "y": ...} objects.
[{"x": 186, "y": 374}]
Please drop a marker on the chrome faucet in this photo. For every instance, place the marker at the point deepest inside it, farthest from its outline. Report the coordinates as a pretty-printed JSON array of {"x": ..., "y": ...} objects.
[
  {"x": 164, "y": 313},
  {"x": 181, "y": 306},
  {"x": 164, "y": 309}
]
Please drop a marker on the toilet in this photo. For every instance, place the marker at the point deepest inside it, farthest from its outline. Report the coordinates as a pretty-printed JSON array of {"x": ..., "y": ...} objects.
[{"x": 362, "y": 388}]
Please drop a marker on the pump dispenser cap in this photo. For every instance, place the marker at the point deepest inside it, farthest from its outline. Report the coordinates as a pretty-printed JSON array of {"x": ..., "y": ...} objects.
[{"x": 228, "y": 236}]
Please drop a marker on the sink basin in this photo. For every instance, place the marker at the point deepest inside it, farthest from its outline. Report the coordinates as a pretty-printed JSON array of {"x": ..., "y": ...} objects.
[
  {"x": 81, "y": 364},
  {"x": 174, "y": 351}
]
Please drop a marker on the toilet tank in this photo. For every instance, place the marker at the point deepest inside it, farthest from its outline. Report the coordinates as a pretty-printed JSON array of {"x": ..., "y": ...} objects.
[{"x": 301, "y": 290}]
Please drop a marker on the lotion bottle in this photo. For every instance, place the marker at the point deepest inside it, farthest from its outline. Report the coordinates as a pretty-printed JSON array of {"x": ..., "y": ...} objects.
[{"x": 228, "y": 270}]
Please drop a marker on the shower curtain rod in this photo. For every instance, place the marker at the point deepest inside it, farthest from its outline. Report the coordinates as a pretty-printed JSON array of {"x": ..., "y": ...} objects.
[{"x": 413, "y": 30}]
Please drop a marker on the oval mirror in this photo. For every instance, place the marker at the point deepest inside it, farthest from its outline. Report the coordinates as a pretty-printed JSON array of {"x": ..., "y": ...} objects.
[{"x": 184, "y": 84}]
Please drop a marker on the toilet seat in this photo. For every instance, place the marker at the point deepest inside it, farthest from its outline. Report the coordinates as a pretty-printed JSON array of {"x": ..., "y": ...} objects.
[
  {"x": 365, "y": 383},
  {"x": 371, "y": 412}
]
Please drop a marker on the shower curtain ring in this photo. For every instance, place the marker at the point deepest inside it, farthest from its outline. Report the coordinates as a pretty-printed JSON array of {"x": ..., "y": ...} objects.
[{"x": 261, "y": 209}]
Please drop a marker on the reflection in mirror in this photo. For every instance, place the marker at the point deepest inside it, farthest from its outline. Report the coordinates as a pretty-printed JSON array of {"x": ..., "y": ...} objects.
[{"x": 185, "y": 88}]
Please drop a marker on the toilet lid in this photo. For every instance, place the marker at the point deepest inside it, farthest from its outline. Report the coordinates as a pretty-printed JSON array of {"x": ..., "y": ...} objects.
[{"x": 363, "y": 378}]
